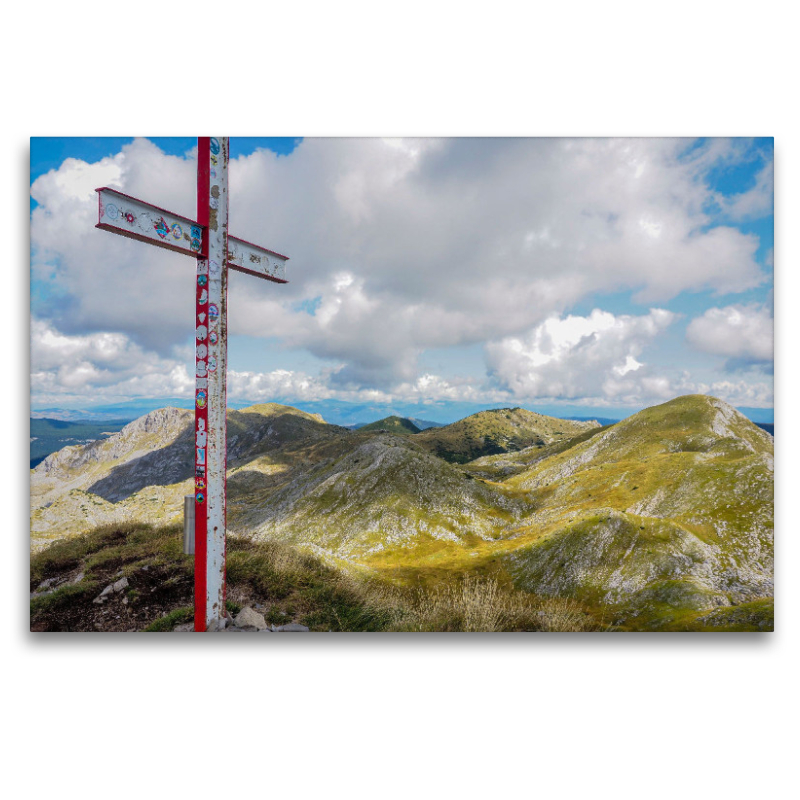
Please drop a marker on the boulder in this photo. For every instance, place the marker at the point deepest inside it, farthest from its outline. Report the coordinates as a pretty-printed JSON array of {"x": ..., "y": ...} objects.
[{"x": 249, "y": 618}]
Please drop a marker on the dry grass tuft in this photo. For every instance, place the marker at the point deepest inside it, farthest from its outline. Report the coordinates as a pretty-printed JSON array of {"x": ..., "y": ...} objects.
[{"x": 483, "y": 604}]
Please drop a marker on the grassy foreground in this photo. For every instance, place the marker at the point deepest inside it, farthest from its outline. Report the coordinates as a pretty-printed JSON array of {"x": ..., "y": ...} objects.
[{"x": 283, "y": 583}]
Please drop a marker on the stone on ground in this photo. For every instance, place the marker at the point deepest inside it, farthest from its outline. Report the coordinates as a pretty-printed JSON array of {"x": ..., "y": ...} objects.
[{"x": 249, "y": 618}]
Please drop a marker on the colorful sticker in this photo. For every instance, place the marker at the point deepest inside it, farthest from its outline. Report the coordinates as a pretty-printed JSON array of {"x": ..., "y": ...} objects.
[
  {"x": 176, "y": 231},
  {"x": 196, "y": 237},
  {"x": 213, "y": 173},
  {"x": 212, "y": 364},
  {"x": 201, "y": 332},
  {"x": 112, "y": 212},
  {"x": 202, "y": 280},
  {"x": 201, "y": 435},
  {"x": 213, "y": 313},
  {"x": 202, "y": 351},
  {"x": 203, "y": 299},
  {"x": 201, "y": 399},
  {"x": 200, "y": 497},
  {"x": 212, "y": 337},
  {"x": 201, "y": 455},
  {"x": 162, "y": 229},
  {"x": 129, "y": 218},
  {"x": 199, "y": 472},
  {"x": 200, "y": 482},
  {"x": 214, "y": 144}
]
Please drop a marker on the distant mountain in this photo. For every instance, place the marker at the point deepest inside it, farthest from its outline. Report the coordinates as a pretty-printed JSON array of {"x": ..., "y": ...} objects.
[
  {"x": 599, "y": 420},
  {"x": 127, "y": 411},
  {"x": 497, "y": 431},
  {"x": 424, "y": 424},
  {"x": 348, "y": 414},
  {"x": 392, "y": 425},
  {"x": 661, "y": 521},
  {"x": 49, "y": 435}
]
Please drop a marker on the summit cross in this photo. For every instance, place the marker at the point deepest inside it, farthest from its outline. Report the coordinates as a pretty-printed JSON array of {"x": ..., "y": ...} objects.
[{"x": 207, "y": 240}]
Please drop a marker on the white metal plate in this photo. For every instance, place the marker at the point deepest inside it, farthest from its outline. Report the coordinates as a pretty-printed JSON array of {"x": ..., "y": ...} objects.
[{"x": 120, "y": 213}]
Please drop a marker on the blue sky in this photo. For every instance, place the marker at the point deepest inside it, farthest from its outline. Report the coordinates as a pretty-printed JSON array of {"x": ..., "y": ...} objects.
[{"x": 589, "y": 273}]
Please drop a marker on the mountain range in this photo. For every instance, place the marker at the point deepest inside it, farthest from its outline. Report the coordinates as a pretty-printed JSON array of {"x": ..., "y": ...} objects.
[{"x": 656, "y": 521}]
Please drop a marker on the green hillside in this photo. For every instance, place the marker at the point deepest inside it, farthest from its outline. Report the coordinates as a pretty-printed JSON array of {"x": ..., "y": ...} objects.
[
  {"x": 392, "y": 424},
  {"x": 382, "y": 494},
  {"x": 669, "y": 510},
  {"x": 497, "y": 431}
]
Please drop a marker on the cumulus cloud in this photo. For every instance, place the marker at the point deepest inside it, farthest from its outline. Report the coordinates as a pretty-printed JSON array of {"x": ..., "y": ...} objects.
[
  {"x": 594, "y": 356},
  {"x": 399, "y": 246},
  {"x": 109, "y": 367},
  {"x": 741, "y": 333},
  {"x": 103, "y": 364}
]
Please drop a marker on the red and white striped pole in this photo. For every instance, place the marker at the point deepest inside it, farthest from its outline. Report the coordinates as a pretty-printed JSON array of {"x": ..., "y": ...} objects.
[
  {"x": 210, "y": 391},
  {"x": 206, "y": 240}
]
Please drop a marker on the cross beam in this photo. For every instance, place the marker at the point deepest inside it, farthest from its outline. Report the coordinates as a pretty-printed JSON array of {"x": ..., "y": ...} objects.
[
  {"x": 207, "y": 240},
  {"x": 120, "y": 213}
]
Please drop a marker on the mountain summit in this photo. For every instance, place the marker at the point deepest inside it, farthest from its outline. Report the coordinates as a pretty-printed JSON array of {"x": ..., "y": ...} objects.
[{"x": 498, "y": 431}]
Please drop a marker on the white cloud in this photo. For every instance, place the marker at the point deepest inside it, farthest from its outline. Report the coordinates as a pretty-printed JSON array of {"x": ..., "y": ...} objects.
[
  {"x": 755, "y": 202},
  {"x": 593, "y": 355},
  {"x": 408, "y": 244},
  {"x": 108, "y": 367},
  {"x": 100, "y": 365},
  {"x": 575, "y": 357},
  {"x": 743, "y": 333}
]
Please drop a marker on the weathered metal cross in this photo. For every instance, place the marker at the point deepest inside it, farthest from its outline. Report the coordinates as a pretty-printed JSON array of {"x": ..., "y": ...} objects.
[{"x": 207, "y": 240}]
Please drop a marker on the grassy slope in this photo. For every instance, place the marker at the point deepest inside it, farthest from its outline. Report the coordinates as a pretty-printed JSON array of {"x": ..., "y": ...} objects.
[
  {"x": 383, "y": 493},
  {"x": 666, "y": 511},
  {"x": 282, "y": 583},
  {"x": 392, "y": 424},
  {"x": 497, "y": 431}
]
